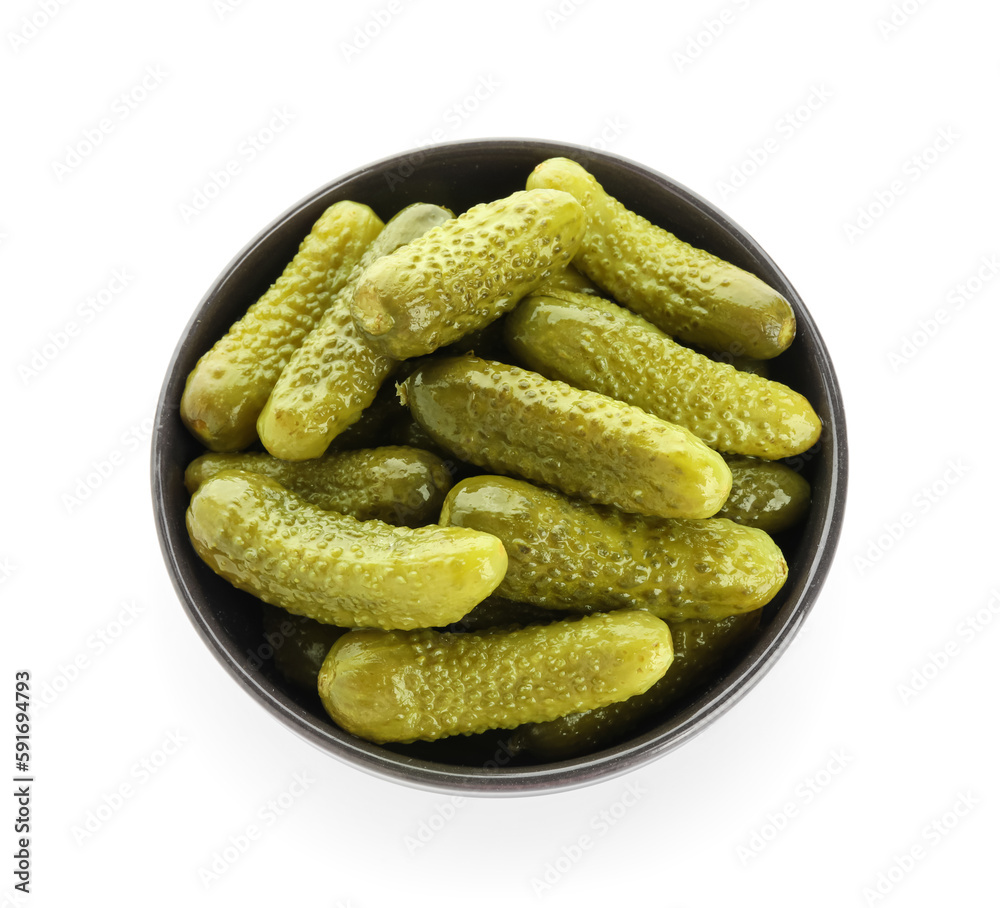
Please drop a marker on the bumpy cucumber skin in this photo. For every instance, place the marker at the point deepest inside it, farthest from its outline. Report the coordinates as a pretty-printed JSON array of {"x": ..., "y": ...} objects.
[
  {"x": 570, "y": 279},
  {"x": 400, "y": 485},
  {"x": 595, "y": 344},
  {"x": 465, "y": 273},
  {"x": 335, "y": 374},
  {"x": 270, "y": 542},
  {"x": 700, "y": 648},
  {"x": 513, "y": 421},
  {"x": 229, "y": 385},
  {"x": 387, "y": 686},
  {"x": 767, "y": 495},
  {"x": 566, "y": 554},
  {"x": 687, "y": 292}
]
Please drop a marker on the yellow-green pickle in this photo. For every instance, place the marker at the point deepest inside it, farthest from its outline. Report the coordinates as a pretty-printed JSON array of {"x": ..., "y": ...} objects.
[
  {"x": 272, "y": 543},
  {"x": 594, "y": 344},
  {"x": 463, "y": 274},
  {"x": 422, "y": 685},
  {"x": 510, "y": 420},
  {"x": 687, "y": 292},
  {"x": 400, "y": 485},
  {"x": 564, "y": 553},
  {"x": 230, "y": 384}
]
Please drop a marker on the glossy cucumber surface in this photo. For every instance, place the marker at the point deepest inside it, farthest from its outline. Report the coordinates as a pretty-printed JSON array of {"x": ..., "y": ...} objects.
[
  {"x": 564, "y": 553},
  {"x": 510, "y": 420},
  {"x": 423, "y": 685},
  {"x": 272, "y": 543},
  {"x": 463, "y": 274},
  {"x": 597, "y": 345},
  {"x": 686, "y": 291}
]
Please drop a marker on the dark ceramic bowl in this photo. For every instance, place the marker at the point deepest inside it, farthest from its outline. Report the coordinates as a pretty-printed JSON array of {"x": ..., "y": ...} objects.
[{"x": 458, "y": 175}]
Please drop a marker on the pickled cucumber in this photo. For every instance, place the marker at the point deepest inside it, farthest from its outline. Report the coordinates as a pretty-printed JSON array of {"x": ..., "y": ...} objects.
[
  {"x": 510, "y": 420},
  {"x": 230, "y": 384},
  {"x": 768, "y": 495},
  {"x": 594, "y": 344},
  {"x": 399, "y": 485},
  {"x": 336, "y": 372},
  {"x": 272, "y": 543},
  {"x": 463, "y": 274},
  {"x": 689, "y": 293},
  {"x": 567, "y": 554},
  {"x": 700, "y": 650},
  {"x": 423, "y": 685}
]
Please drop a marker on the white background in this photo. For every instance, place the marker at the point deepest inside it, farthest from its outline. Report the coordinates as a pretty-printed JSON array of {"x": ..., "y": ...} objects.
[{"x": 902, "y": 129}]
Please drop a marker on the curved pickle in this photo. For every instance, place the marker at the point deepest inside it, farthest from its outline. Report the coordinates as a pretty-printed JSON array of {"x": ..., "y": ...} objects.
[
  {"x": 687, "y": 292},
  {"x": 423, "y": 685},
  {"x": 510, "y": 420},
  {"x": 270, "y": 542},
  {"x": 567, "y": 554},
  {"x": 463, "y": 274},
  {"x": 594, "y": 344}
]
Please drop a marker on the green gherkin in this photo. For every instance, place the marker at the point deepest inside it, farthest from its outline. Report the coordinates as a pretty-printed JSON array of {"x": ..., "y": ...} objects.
[
  {"x": 335, "y": 374},
  {"x": 513, "y": 421},
  {"x": 403, "y": 686},
  {"x": 270, "y": 542},
  {"x": 595, "y": 344},
  {"x": 686, "y": 291},
  {"x": 400, "y": 485},
  {"x": 567, "y": 554},
  {"x": 768, "y": 495},
  {"x": 461, "y": 275},
  {"x": 229, "y": 385},
  {"x": 700, "y": 649}
]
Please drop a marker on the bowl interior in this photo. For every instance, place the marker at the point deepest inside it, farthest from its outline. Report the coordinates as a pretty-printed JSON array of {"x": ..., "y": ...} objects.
[{"x": 458, "y": 175}]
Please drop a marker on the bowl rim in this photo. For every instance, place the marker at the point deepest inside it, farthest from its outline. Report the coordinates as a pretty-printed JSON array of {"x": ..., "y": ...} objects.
[{"x": 579, "y": 771}]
